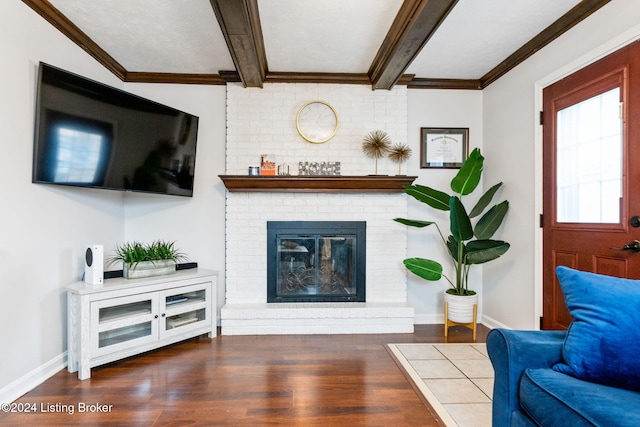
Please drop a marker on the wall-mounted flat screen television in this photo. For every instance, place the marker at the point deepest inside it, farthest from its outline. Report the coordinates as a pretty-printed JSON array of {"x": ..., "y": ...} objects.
[{"x": 88, "y": 134}]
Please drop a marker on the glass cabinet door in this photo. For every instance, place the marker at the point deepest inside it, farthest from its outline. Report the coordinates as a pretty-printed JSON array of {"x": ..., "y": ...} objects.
[
  {"x": 123, "y": 322},
  {"x": 185, "y": 309}
]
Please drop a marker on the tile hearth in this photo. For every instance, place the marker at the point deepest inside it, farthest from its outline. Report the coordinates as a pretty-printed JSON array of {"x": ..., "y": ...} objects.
[{"x": 456, "y": 380}]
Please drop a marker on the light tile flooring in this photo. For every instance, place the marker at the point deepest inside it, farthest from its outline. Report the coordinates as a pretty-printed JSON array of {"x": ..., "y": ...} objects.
[{"x": 456, "y": 380}]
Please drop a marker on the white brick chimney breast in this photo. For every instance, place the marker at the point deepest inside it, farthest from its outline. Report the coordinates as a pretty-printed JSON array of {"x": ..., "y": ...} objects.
[{"x": 262, "y": 121}]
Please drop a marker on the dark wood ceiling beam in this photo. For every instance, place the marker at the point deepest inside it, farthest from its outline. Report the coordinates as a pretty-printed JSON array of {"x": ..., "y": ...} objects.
[
  {"x": 296, "y": 77},
  {"x": 415, "y": 23},
  {"x": 567, "y": 21},
  {"x": 338, "y": 78},
  {"x": 76, "y": 35},
  {"x": 420, "y": 83},
  {"x": 240, "y": 24},
  {"x": 177, "y": 78}
]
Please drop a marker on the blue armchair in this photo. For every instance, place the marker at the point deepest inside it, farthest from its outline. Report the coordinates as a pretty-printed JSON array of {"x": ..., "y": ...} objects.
[{"x": 527, "y": 392}]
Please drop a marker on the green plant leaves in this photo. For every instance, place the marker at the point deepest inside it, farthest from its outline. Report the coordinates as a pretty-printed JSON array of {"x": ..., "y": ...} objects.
[
  {"x": 424, "y": 268},
  {"x": 484, "y": 201},
  {"x": 489, "y": 223},
  {"x": 468, "y": 177},
  {"x": 414, "y": 222},
  {"x": 461, "y": 228},
  {"x": 481, "y": 251},
  {"x": 434, "y": 198},
  {"x": 135, "y": 252},
  {"x": 453, "y": 248},
  {"x": 463, "y": 250}
]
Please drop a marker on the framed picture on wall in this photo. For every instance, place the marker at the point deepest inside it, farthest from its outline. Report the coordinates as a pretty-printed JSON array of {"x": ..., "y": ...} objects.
[{"x": 443, "y": 147}]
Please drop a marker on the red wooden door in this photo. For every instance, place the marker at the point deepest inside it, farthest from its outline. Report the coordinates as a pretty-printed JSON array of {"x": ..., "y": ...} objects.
[{"x": 591, "y": 175}]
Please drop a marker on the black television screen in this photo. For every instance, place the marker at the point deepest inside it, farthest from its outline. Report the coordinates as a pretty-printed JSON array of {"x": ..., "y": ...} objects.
[{"x": 88, "y": 134}]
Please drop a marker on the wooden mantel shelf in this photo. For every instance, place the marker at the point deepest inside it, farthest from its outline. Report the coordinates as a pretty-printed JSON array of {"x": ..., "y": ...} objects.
[{"x": 317, "y": 184}]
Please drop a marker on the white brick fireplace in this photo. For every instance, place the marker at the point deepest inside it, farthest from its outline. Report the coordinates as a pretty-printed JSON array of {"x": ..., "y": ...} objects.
[{"x": 262, "y": 121}]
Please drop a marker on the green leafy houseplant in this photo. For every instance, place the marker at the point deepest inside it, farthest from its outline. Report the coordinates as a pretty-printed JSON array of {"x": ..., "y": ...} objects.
[
  {"x": 468, "y": 244},
  {"x": 135, "y": 252}
]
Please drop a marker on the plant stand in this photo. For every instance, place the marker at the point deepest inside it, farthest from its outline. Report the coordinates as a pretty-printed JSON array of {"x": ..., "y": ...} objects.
[{"x": 448, "y": 323}]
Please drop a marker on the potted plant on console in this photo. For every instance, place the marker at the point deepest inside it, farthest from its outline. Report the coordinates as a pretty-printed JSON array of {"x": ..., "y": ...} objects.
[
  {"x": 468, "y": 244},
  {"x": 145, "y": 260}
]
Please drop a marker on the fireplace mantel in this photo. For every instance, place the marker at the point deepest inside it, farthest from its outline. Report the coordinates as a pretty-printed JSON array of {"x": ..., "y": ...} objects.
[{"x": 317, "y": 184}]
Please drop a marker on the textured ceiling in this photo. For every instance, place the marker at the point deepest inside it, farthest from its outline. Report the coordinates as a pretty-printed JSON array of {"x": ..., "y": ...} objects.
[
  {"x": 308, "y": 36},
  {"x": 479, "y": 34},
  {"x": 175, "y": 36},
  {"x": 331, "y": 36}
]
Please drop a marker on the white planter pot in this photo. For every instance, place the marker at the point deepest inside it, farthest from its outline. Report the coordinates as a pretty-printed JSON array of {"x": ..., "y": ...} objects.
[
  {"x": 148, "y": 269},
  {"x": 460, "y": 308}
]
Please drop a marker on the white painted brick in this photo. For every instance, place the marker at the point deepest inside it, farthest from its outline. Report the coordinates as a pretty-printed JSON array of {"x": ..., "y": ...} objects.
[{"x": 261, "y": 121}]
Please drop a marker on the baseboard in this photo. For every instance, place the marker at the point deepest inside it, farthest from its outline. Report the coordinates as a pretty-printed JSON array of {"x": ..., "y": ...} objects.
[
  {"x": 492, "y": 323},
  {"x": 33, "y": 379}
]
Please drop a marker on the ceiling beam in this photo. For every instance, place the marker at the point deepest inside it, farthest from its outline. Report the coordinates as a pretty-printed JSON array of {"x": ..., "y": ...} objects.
[
  {"x": 240, "y": 24},
  {"x": 415, "y": 23},
  {"x": 567, "y": 21},
  {"x": 76, "y": 35}
]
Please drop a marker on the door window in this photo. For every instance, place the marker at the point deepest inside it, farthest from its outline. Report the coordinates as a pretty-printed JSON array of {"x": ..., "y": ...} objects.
[{"x": 589, "y": 160}]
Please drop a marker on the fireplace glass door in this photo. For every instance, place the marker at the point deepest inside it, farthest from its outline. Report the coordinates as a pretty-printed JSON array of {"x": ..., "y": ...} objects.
[{"x": 315, "y": 265}]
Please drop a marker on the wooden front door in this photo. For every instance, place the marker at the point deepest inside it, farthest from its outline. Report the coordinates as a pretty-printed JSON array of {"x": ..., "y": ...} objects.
[{"x": 591, "y": 175}]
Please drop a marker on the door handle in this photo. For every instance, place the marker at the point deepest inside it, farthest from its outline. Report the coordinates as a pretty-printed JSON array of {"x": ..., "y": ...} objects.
[{"x": 631, "y": 246}]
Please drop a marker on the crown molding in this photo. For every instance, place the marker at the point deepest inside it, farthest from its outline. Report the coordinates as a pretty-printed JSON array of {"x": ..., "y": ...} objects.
[
  {"x": 177, "y": 78},
  {"x": 419, "y": 83},
  {"x": 563, "y": 24},
  {"x": 76, "y": 35}
]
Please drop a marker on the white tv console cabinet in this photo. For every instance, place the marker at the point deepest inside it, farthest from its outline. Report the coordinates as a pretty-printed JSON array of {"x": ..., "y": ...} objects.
[{"x": 124, "y": 317}]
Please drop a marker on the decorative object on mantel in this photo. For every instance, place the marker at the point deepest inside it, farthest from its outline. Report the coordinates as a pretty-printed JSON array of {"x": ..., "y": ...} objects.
[
  {"x": 376, "y": 144},
  {"x": 317, "y": 184},
  {"x": 318, "y": 168},
  {"x": 463, "y": 249},
  {"x": 146, "y": 260},
  {"x": 399, "y": 154},
  {"x": 267, "y": 164}
]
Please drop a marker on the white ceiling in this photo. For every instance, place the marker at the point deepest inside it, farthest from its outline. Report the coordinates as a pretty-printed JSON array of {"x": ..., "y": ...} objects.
[
  {"x": 328, "y": 36},
  {"x": 479, "y": 34}
]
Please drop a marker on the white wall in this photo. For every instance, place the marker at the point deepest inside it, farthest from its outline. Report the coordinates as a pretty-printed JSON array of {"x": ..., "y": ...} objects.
[
  {"x": 44, "y": 229},
  {"x": 196, "y": 224},
  {"x": 437, "y": 108},
  {"x": 511, "y": 292}
]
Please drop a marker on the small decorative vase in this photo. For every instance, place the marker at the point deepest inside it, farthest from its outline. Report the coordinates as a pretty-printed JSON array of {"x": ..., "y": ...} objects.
[
  {"x": 148, "y": 269},
  {"x": 460, "y": 307}
]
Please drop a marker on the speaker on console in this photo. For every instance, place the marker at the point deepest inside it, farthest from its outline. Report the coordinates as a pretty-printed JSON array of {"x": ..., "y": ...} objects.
[{"x": 94, "y": 265}]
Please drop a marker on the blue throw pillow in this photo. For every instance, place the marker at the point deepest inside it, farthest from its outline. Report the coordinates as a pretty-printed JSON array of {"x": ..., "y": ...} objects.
[{"x": 603, "y": 342}]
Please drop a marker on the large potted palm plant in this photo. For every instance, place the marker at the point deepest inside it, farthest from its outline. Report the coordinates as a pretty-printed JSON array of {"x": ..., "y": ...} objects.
[{"x": 470, "y": 240}]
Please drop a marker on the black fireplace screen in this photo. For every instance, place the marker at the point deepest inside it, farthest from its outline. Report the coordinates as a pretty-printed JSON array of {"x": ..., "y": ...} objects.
[{"x": 319, "y": 261}]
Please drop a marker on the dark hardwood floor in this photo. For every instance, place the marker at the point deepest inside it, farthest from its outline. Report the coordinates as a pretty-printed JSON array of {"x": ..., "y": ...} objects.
[{"x": 302, "y": 380}]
